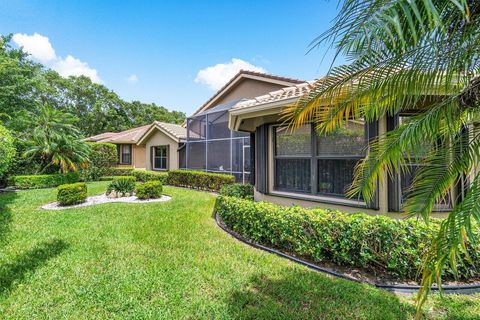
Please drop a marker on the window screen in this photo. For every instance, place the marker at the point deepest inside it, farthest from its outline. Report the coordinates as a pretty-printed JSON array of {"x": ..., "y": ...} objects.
[
  {"x": 125, "y": 154},
  {"x": 160, "y": 157},
  {"x": 218, "y": 125},
  {"x": 196, "y": 155},
  {"x": 219, "y": 155}
]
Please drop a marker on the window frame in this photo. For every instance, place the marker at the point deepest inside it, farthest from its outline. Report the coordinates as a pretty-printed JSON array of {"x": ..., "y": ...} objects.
[
  {"x": 313, "y": 194},
  {"x": 121, "y": 154},
  {"x": 166, "y": 157}
]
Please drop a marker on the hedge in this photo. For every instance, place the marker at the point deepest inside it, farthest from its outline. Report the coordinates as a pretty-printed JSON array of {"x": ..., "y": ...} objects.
[
  {"x": 244, "y": 191},
  {"x": 199, "y": 179},
  {"x": 70, "y": 194},
  {"x": 120, "y": 172},
  {"x": 375, "y": 243},
  {"x": 42, "y": 181},
  {"x": 144, "y": 175},
  {"x": 149, "y": 190}
]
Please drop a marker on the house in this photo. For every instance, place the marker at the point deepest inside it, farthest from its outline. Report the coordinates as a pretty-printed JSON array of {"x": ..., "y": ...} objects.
[
  {"x": 304, "y": 168},
  {"x": 151, "y": 147},
  {"x": 211, "y": 146}
]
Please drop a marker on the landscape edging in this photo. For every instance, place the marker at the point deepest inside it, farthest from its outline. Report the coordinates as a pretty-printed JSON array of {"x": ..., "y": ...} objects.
[{"x": 399, "y": 288}]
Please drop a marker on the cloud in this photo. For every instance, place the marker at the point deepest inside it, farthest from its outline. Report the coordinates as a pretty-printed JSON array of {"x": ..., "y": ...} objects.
[
  {"x": 132, "y": 78},
  {"x": 37, "y": 45},
  {"x": 40, "y": 48},
  {"x": 71, "y": 66},
  {"x": 216, "y": 76}
]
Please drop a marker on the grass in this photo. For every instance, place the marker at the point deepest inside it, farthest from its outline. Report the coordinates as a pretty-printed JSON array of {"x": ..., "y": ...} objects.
[{"x": 167, "y": 261}]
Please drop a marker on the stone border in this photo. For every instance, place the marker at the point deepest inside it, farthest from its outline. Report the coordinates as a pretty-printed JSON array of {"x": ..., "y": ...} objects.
[
  {"x": 396, "y": 288},
  {"x": 102, "y": 198}
]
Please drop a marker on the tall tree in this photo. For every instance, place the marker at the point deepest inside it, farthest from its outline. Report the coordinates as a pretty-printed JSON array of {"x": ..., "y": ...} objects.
[{"x": 424, "y": 57}]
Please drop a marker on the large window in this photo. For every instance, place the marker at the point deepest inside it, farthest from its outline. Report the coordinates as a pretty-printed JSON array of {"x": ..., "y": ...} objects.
[
  {"x": 160, "y": 158},
  {"x": 124, "y": 153},
  {"x": 310, "y": 163}
]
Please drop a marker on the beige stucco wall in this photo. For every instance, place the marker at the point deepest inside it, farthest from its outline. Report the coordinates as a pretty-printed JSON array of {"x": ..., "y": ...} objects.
[
  {"x": 139, "y": 157},
  {"x": 160, "y": 139}
]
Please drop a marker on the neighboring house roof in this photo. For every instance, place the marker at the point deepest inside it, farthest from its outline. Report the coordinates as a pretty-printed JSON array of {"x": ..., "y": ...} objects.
[
  {"x": 135, "y": 135},
  {"x": 174, "y": 131},
  {"x": 244, "y": 74}
]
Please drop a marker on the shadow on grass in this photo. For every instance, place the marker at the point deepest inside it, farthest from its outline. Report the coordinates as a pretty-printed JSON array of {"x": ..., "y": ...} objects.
[
  {"x": 298, "y": 294},
  {"x": 16, "y": 270},
  {"x": 6, "y": 198}
]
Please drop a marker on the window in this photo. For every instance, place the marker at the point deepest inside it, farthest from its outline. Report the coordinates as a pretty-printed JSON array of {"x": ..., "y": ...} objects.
[
  {"x": 307, "y": 162},
  {"x": 124, "y": 153},
  {"x": 292, "y": 163},
  {"x": 160, "y": 158}
]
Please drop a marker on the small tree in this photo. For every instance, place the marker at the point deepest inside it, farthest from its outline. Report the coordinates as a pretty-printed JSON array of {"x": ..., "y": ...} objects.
[
  {"x": 103, "y": 158},
  {"x": 7, "y": 150}
]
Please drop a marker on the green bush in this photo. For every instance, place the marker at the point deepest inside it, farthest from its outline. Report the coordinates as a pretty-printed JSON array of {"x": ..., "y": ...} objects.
[
  {"x": 43, "y": 180},
  {"x": 199, "y": 179},
  {"x": 144, "y": 175},
  {"x": 109, "y": 178},
  {"x": 103, "y": 158},
  {"x": 7, "y": 150},
  {"x": 149, "y": 190},
  {"x": 375, "y": 243},
  {"x": 125, "y": 184},
  {"x": 120, "y": 172},
  {"x": 70, "y": 194},
  {"x": 243, "y": 191}
]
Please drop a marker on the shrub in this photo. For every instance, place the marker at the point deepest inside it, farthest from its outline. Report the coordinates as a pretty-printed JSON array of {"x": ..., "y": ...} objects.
[
  {"x": 243, "y": 191},
  {"x": 43, "y": 180},
  {"x": 70, "y": 194},
  {"x": 378, "y": 243},
  {"x": 124, "y": 184},
  {"x": 109, "y": 178},
  {"x": 120, "y": 172},
  {"x": 199, "y": 179},
  {"x": 103, "y": 158},
  {"x": 7, "y": 150},
  {"x": 144, "y": 175},
  {"x": 149, "y": 190}
]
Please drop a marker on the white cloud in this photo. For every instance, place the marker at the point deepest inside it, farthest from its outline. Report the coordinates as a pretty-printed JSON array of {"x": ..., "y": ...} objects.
[
  {"x": 216, "y": 76},
  {"x": 37, "y": 45},
  {"x": 40, "y": 48},
  {"x": 132, "y": 78},
  {"x": 71, "y": 66}
]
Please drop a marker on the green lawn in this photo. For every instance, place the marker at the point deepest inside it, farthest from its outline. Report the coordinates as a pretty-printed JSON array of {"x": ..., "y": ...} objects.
[{"x": 167, "y": 261}]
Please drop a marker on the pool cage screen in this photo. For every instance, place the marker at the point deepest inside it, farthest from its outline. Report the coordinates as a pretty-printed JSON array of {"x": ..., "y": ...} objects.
[{"x": 211, "y": 146}]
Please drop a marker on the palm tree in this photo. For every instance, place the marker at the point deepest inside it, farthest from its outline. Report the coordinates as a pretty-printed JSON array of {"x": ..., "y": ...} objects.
[
  {"x": 56, "y": 141},
  {"x": 420, "y": 56}
]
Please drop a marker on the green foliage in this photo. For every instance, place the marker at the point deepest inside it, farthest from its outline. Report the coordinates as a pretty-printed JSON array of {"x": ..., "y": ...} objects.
[
  {"x": 70, "y": 194},
  {"x": 121, "y": 172},
  {"x": 7, "y": 150},
  {"x": 103, "y": 158},
  {"x": 395, "y": 247},
  {"x": 243, "y": 191},
  {"x": 56, "y": 141},
  {"x": 125, "y": 184},
  {"x": 109, "y": 178},
  {"x": 42, "y": 181},
  {"x": 199, "y": 179},
  {"x": 144, "y": 175},
  {"x": 149, "y": 190}
]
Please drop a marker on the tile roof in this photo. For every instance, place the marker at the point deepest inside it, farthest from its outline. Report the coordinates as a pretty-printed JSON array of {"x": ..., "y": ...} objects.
[
  {"x": 135, "y": 134},
  {"x": 247, "y": 73},
  {"x": 175, "y": 130},
  {"x": 286, "y": 93}
]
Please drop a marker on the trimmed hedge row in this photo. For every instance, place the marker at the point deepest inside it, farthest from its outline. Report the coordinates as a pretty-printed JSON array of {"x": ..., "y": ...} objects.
[
  {"x": 377, "y": 243},
  {"x": 70, "y": 194},
  {"x": 199, "y": 179},
  {"x": 144, "y": 175},
  {"x": 120, "y": 172},
  {"x": 149, "y": 190},
  {"x": 243, "y": 191},
  {"x": 43, "y": 180}
]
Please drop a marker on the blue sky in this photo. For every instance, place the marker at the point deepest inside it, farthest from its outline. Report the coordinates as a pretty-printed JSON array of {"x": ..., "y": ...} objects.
[{"x": 154, "y": 51}]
